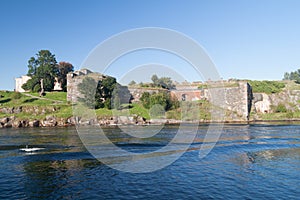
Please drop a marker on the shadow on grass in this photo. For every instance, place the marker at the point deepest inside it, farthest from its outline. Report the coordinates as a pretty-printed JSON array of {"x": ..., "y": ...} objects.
[
  {"x": 126, "y": 107},
  {"x": 5, "y": 100},
  {"x": 30, "y": 100}
]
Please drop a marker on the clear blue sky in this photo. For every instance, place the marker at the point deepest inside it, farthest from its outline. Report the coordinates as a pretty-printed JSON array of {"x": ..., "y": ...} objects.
[{"x": 245, "y": 39}]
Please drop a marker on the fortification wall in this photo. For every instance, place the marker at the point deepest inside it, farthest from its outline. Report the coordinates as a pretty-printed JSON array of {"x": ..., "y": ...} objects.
[
  {"x": 136, "y": 93},
  {"x": 188, "y": 94},
  {"x": 264, "y": 103},
  {"x": 75, "y": 78},
  {"x": 236, "y": 100}
]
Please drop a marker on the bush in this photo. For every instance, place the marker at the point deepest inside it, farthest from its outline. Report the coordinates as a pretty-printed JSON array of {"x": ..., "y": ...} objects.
[
  {"x": 157, "y": 111},
  {"x": 161, "y": 98},
  {"x": 145, "y": 99},
  {"x": 289, "y": 115},
  {"x": 267, "y": 87},
  {"x": 280, "y": 108}
]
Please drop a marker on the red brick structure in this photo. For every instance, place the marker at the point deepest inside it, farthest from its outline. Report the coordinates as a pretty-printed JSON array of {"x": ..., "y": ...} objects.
[{"x": 188, "y": 94}]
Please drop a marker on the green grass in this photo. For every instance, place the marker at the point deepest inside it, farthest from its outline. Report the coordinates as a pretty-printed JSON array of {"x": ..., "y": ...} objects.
[
  {"x": 8, "y": 99},
  {"x": 192, "y": 111},
  {"x": 280, "y": 116},
  {"x": 34, "y": 108},
  {"x": 218, "y": 85},
  {"x": 63, "y": 109},
  {"x": 40, "y": 108},
  {"x": 135, "y": 109},
  {"x": 103, "y": 113},
  {"x": 138, "y": 109},
  {"x": 291, "y": 85},
  {"x": 267, "y": 87},
  {"x": 56, "y": 96}
]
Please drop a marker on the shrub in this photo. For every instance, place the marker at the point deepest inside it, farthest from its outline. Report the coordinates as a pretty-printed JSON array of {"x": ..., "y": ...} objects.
[
  {"x": 280, "y": 108},
  {"x": 157, "y": 111},
  {"x": 289, "y": 115},
  {"x": 203, "y": 86},
  {"x": 161, "y": 98},
  {"x": 145, "y": 99},
  {"x": 267, "y": 86}
]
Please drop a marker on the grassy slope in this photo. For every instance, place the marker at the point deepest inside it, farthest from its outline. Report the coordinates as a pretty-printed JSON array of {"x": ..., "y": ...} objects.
[
  {"x": 63, "y": 109},
  {"x": 43, "y": 107}
]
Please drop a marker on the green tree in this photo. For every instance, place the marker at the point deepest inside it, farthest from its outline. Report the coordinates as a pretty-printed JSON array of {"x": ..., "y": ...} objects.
[
  {"x": 155, "y": 79},
  {"x": 98, "y": 94},
  {"x": 63, "y": 69},
  {"x": 292, "y": 76},
  {"x": 32, "y": 84},
  {"x": 145, "y": 99},
  {"x": 166, "y": 82},
  {"x": 162, "y": 98},
  {"x": 163, "y": 82},
  {"x": 132, "y": 83},
  {"x": 43, "y": 66},
  {"x": 120, "y": 95},
  {"x": 90, "y": 90},
  {"x": 286, "y": 76},
  {"x": 107, "y": 86}
]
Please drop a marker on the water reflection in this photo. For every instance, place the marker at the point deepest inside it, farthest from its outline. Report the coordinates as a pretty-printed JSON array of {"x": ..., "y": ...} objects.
[
  {"x": 249, "y": 162},
  {"x": 44, "y": 179}
]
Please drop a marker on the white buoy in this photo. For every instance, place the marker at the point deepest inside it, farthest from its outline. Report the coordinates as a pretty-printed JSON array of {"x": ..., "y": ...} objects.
[{"x": 31, "y": 149}]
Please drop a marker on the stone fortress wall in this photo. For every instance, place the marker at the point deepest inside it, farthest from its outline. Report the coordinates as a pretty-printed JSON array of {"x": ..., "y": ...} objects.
[
  {"x": 263, "y": 103},
  {"x": 234, "y": 97},
  {"x": 136, "y": 92},
  {"x": 238, "y": 96},
  {"x": 75, "y": 78},
  {"x": 237, "y": 100}
]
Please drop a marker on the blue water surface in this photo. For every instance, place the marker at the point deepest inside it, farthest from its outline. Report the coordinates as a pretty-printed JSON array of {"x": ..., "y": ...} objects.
[{"x": 259, "y": 161}]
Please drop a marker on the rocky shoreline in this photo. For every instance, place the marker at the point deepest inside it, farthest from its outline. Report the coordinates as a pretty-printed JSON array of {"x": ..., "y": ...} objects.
[{"x": 51, "y": 121}]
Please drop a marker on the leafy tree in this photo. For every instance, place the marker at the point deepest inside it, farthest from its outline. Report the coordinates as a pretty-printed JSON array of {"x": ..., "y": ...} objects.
[
  {"x": 91, "y": 92},
  {"x": 107, "y": 86},
  {"x": 155, "y": 79},
  {"x": 162, "y": 98},
  {"x": 286, "y": 76},
  {"x": 132, "y": 83},
  {"x": 63, "y": 69},
  {"x": 159, "y": 98},
  {"x": 164, "y": 82},
  {"x": 292, "y": 76},
  {"x": 32, "y": 84},
  {"x": 120, "y": 95},
  {"x": 43, "y": 66},
  {"x": 37, "y": 88},
  {"x": 145, "y": 99},
  {"x": 97, "y": 94}
]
